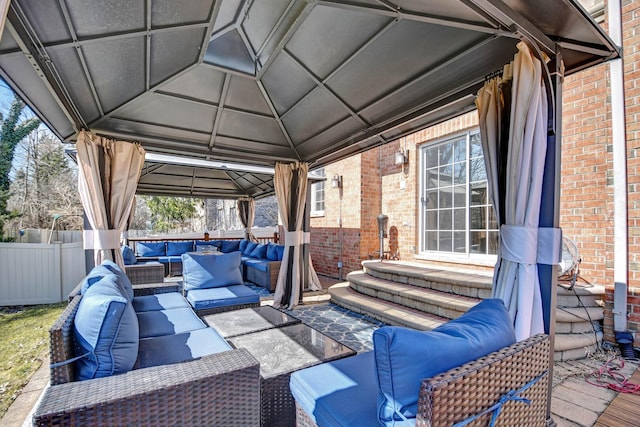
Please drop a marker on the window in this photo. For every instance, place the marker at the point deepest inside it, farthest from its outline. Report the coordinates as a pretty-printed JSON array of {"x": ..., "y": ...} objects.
[
  {"x": 456, "y": 215},
  {"x": 317, "y": 195}
]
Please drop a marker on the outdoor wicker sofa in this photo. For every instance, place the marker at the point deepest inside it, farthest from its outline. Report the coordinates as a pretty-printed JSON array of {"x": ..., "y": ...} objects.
[
  {"x": 373, "y": 389},
  {"x": 201, "y": 381}
]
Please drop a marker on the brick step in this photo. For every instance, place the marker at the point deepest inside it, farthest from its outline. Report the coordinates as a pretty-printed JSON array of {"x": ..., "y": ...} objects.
[
  {"x": 465, "y": 282},
  {"x": 446, "y": 305},
  {"x": 384, "y": 311}
]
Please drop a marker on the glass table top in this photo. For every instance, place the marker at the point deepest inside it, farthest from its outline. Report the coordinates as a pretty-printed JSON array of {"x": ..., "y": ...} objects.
[
  {"x": 289, "y": 348},
  {"x": 240, "y": 322}
]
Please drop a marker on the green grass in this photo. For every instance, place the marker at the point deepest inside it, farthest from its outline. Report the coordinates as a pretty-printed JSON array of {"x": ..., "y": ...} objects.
[{"x": 24, "y": 345}]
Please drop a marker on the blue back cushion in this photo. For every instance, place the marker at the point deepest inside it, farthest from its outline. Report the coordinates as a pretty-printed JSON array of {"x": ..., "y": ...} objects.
[
  {"x": 243, "y": 244},
  {"x": 249, "y": 248},
  {"x": 151, "y": 249},
  {"x": 123, "y": 279},
  {"x": 405, "y": 356},
  {"x": 230, "y": 246},
  {"x": 128, "y": 255},
  {"x": 105, "y": 331},
  {"x": 272, "y": 252},
  {"x": 259, "y": 252},
  {"x": 178, "y": 248},
  {"x": 280, "y": 249},
  {"x": 201, "y": 271}
]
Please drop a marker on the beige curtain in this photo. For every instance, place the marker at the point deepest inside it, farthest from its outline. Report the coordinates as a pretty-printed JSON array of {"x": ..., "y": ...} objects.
[
  {"x": 513, "y": 115},
  {"x": 108, "y": 174},
  {"x": 4, "y": 8},
  {"x": 296, "y": 271},
  {"x": 247, "y": 213}
]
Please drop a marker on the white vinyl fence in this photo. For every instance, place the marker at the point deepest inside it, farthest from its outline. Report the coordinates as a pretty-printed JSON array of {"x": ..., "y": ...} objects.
[{"x": 39, "y": 273}]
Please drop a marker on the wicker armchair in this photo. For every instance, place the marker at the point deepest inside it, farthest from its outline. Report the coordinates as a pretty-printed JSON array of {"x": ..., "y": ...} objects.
[
  {"x": 469, "y": 390},
  {"x": 219, "y": 389}
]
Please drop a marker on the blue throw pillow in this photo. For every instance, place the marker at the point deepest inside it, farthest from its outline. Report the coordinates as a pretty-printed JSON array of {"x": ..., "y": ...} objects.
[
  {"x": 259, "y": 252},
  {"x": 128, "y": 255},
  {"x": 178, "y": 248},
  {"x": 102, "y": 270},
  {"x": 272, "y": 252},
  {"x": 230, "y": 246},
  {"x": 123, "y": 279},
  {"x": 280, "y": 249},
  {"x": 149, "y": 249},
  {"x": 105, "y": 331},
  {"x": 249, "y": 248},
  {"x": 243, "y": 245},
  {"x": 405, "y": 356},
  {"x": 202, "y": 271}
]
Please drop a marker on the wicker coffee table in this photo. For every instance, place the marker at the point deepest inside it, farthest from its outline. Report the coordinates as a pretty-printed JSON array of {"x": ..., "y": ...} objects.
[
  {"x": 280, "y": 352},
  {"x": 248, "y": 320}
]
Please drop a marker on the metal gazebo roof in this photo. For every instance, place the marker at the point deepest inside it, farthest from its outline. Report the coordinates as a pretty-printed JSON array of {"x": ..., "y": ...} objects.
[{"x": 257, "y": 82}]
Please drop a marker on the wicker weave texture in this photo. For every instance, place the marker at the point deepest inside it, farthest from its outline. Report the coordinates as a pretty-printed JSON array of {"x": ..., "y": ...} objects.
[
  {"x": 278, "y": 405},
  {"x": 214, "y": 310},
  {"x": 220, "y": 389},
  {"x": 267, "y": 279},
  {"x": 140, "y": 274},
  {"x": 468, "y": 390}
]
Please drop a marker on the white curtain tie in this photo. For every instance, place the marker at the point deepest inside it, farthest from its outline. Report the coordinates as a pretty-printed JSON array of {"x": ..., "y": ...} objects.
[
  {"x": 101, "y": 239},
  {"x": 297, "y": 238},
  {"x": 531, "y": 245}
]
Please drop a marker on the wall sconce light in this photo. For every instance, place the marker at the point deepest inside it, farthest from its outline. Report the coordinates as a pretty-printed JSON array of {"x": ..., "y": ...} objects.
[
  {"x": 402, "y": 157},
  {"x": 336, "y": 181}
]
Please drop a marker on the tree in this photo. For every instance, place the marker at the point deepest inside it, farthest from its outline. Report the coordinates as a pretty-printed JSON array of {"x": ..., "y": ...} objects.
[
  {"x": 45, "y": 185},
  {"x": 12, "y": 131},
  {"x": 171, "y": 213}
]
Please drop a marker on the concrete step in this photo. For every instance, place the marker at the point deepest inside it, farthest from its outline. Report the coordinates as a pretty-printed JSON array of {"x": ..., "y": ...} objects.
[
  {"x": 467, "y": 282},
  {"x": 579, "y": 314},
  {"x": 441, "y": 304},
  {"x": 587, "y": 295},
  {"x": 576, "y": 346},
  {"x": 384, "y": 311}
]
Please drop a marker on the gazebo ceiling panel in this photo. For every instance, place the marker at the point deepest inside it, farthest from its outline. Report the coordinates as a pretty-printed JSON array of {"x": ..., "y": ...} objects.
[
  {"x": 200, "y": 83},
  {"x": 170, "y": 12},
  {"x": 99, "y": 17},
  {"x": 117, "y": 69},
  {"x": 325, "y": 40},
  {"x": 169, "y": 111},
  {"x": 172, "y": 51},
  {"x": 286, "y": 83},
  {"x": 259, "y": 82},
  {"x": 244, "y": 94}
]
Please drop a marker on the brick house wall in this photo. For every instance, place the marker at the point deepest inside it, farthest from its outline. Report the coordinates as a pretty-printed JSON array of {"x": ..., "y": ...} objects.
[{"x": 586, "y": 211}]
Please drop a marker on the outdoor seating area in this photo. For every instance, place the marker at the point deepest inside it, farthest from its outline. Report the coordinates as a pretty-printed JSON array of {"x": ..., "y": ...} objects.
[
  {"x": 260, "y": 260},
  {"x": 137, "y": 347}
]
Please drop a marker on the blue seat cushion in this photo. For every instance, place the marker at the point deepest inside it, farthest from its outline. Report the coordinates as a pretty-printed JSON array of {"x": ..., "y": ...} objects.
[
  {"x": 201, "y": 299},
  {"x": 201, "y": 271},
  {"x": 128, "y": 255},
  {"x": 164, "y": 350},
  {"x": 230, "y": 246},
  {"x": 168, "y": 259},
  {"x": 339, "y": 393},
  {"x": 168, "y": 322},
  {"x": 178, "y": 248},
  {"x": 258, "y": 264},
  {"x": 105, "y": 331},
  {"x": 159, "y": 302},
  {"x": 149, "y": 249},
  {"x": 405, "y": 356}
]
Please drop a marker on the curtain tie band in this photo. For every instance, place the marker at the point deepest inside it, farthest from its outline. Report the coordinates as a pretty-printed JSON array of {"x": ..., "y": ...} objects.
[
  {"x": 513, "y": 395},
  {"x": 531, "y": 245},
  {"x": 101, "y": 239},
  {"x": 297, "y": 238}
]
